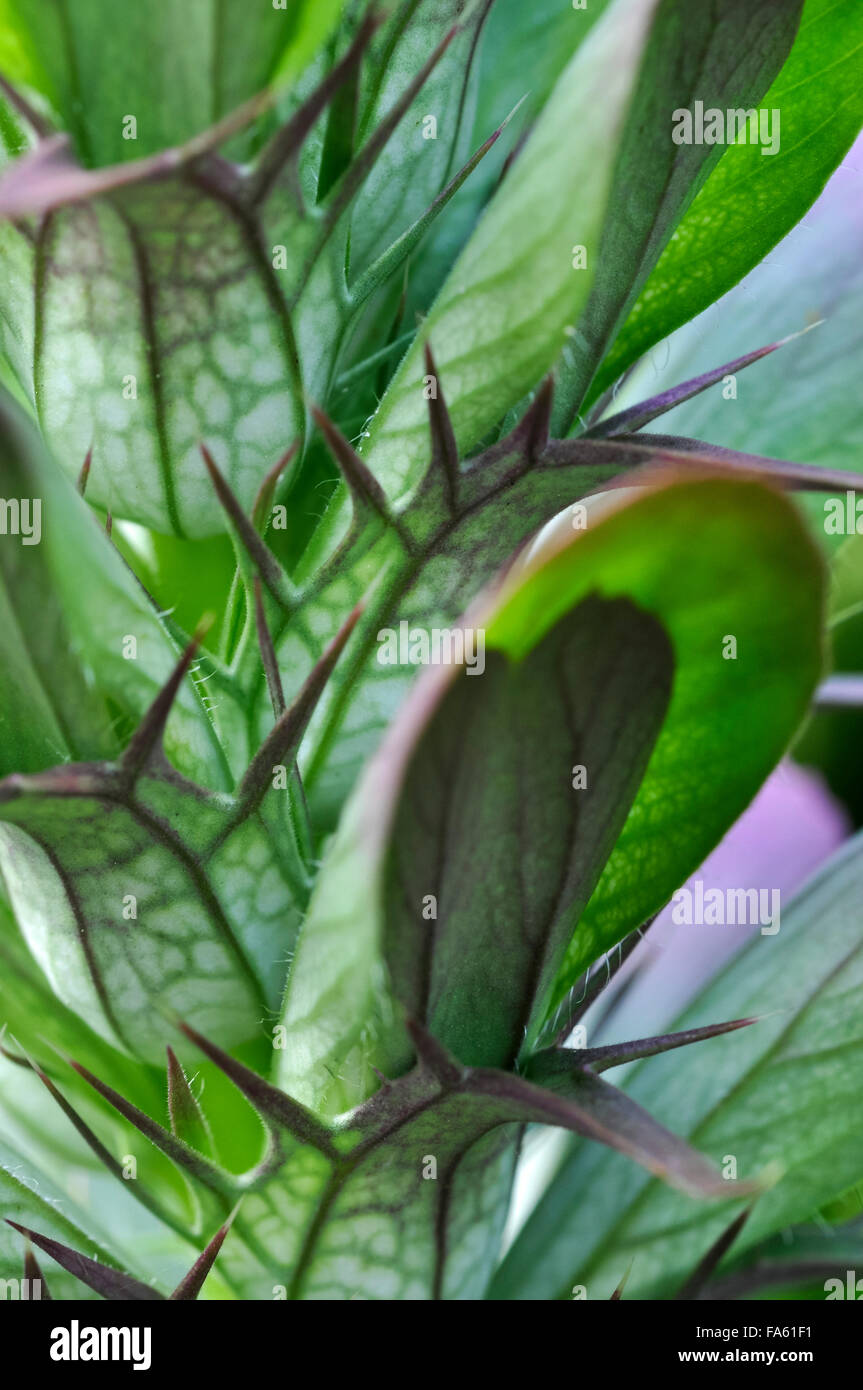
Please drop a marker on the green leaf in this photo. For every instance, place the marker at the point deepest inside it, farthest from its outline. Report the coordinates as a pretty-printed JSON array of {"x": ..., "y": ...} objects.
[
  {"x": 750, "y": 200},
  {"x": 692, "y": 55},
  {"x": 180, "y": 299},
  {"x": 43, "y": 1205},
  {"x": 160, "y": 323},
  {"x": 86, "y": 648},
  {"x": 415, "y": 166},
  {"x": 813, "y": 274},
  {"x": 460, "y": 538},
  {"x": 488, "y": 828},
  {"x": 141, "y": 903},
  {"x": 782, "y": 1092},
  {"x": 518, "y": 291},
  {"x": 740, "y": 711},
  {"x": 501, "y": 318},
  {"x": 175, "y": 71}
]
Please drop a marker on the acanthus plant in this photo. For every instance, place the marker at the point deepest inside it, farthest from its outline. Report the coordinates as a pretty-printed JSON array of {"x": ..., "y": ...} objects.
[{"x": 294, "y": 938}]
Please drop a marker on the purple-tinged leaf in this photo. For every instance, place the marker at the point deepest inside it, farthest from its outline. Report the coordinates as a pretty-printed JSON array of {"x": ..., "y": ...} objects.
[
  {"x": 637, "y": 416},
  {"x": 112, "y": 1284},
  {"x": 594, "y": 1109},
  {"x": 544, "y": 1066},
  {"x": 700, "y": 1276},
  {"x": 273, "y": 1105},
  {"x": 191, "y": 1284}
]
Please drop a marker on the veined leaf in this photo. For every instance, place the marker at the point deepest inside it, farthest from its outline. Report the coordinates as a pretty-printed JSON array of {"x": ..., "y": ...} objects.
[
  {"x": 140, "y": 905},
  {"x": 752, "y": 200},
  {"x": 529, "y": 290},
  {"x": 501, "y": 319},
  {"x": 782, "y": 1092},
  {"x": 741, "y": 710},
  {"x": 496, "y": 842}
]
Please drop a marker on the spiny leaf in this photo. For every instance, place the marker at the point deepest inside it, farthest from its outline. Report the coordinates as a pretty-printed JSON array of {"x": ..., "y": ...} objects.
[
  {"x": 261, "y": 556},
  {"x": 700, "y": 1276},
  {"x": 783, "y": 1094},
  {"x": 272, "y": 1104},
  {"x": 544, "y": 1066},
  {"x": 423, "y": 857},
  {"x": 598, "y": 1111},
  {"x": 635, "y": 417},
  {"x": 190, "y": 1286},
  {"x": 111, "y": 1283},
  {"x": 172, "y": 1145},
  {"x": 188, "y": 1121}
]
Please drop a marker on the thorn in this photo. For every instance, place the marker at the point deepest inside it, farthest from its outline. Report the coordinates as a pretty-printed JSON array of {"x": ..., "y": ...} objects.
[
  {"x": 618, "y": 1292},
  {"x": 174, "y": 1148},
  {"x": 34, "y": 1275},
  {"x": 147, "y": 738},
  {"x": 109, "y": 524},
  {"x": 190, "y": 1285},
  {"x": 615, "y": 1054},
  {"x": 261, "y": 556},
  {"x": 534, "y": 428},
  {"x": 111, "y": 1283},
  {"x": 444, "y": 448},
  {"x": 354, "y": 176},
  {"x": 288, "y": 141},
  {"x": 271, "y": 1104},
  {"x": 706, "y": 1267},
  {"x": 433, "y": 1056},
  {"x": 268, "y": 654},
  {"x": 84, "y": 475},
  {"x": 637, "y": 416},
  {"x": 366, "y": 492},
  {"x": 264, "y": 499},
  {"x": 283, "y": 741}
]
